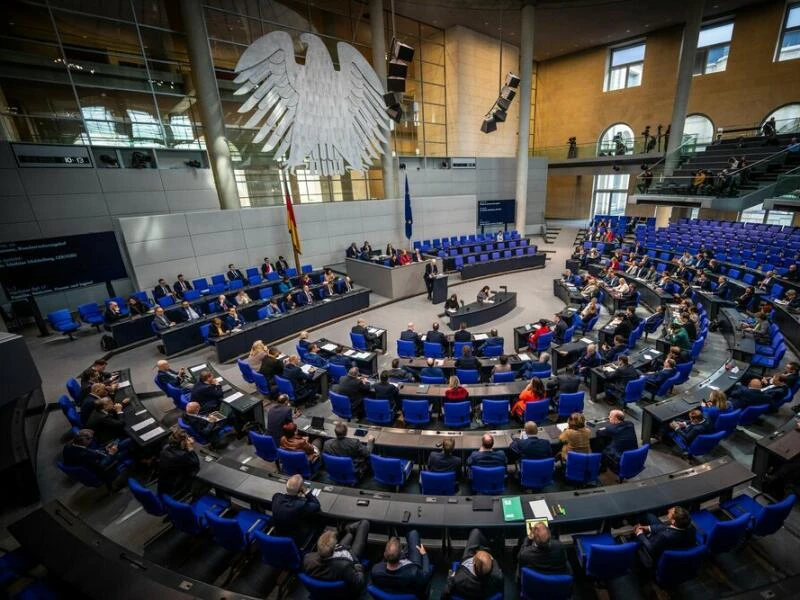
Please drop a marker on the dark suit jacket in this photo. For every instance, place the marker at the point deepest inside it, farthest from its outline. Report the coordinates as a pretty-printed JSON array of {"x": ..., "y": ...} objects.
[
  {"x": 336, "y": 569},
  {"x": 465, "y": 585},
  {"x": 432, "y": 372},
  {"x": 663, "y": 537},
  {"x": 532, "y": 448},
  {"x": 315, "y": 360},
  {"x": 176, "y": 469},
  {"x": 95, "y": 460},
  {"x": 162, "y": 322},
  {"x": 266, "y": 268},
  {"x": 622, "y": 436},
  {"x": 234, "y": 274},
  {"x": 410, "y": 336},
  {"x": 623, "y": 374},
  {"x": 353, "y": 388},
  {"x": 550, "y": 559},
  {"x": 389, "y": 392},
  {"x": 160, "y": 291},
  {"x": 112, "y": 317},
  {"x": 559, "y": 332},
  {"x": 468, "y": 362},
  {"x": 436, "y": 337},
  {"x": 281, "y": 266},
  {"x": 492, "y": 458},
  {"x": 180, "y": 288},
  {"x": 462, "y": 335},
  {"x": 302, "y": 298},
  {"x": 439, "y": 462},
  {"x": 277, "y": 416},
  {"x": 297, "y": 377},
  {"x": 659, "y": 377},
  {"x": 207, "y": 395},
  {"x": 290, "y": 514},
  {"x": 171, "y": 377},
  {"x": 351, "y": 448},
  {"x": 408, "y": 578},
  {"x": 741, "y": 396},
  {"x": 270, "y": 367},
  {"x": 431, "y": 271},
  {"x": 184, "y": 314},
  {"x": 106, "y": 426},
  {"x": 692, "y": 430}
]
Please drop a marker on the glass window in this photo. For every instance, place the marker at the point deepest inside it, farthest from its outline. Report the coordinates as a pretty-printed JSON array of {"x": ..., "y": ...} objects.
[
  {"x": 787, "y": 118},
  {"x": 789, "y": 43},
  {"x": 616, "y": 140},
  {"x": 701, "y": 126},
  {"x": 625, "y": 67},
  {"x": 610, "y": 194},
  {"x": 713, "y": 47}
]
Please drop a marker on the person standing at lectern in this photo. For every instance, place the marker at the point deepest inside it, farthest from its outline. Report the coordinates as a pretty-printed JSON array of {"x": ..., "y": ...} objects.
[{"x": 431, "y": 271}]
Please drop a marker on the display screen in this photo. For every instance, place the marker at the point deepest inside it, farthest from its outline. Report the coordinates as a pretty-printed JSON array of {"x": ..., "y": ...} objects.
[
  {"x": 43, "y": 266},
  {"x": 496, "y": 212}
]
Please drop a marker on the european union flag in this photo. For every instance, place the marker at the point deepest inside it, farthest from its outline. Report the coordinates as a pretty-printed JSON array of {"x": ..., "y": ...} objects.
[{"x": 409, "y": 218}]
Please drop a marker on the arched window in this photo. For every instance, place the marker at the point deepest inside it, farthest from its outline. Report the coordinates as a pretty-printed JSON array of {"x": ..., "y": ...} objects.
[
  {"x": 787, "y": 117},
  {"x": 616, "y": 140},
  {"x": 701, "y": 126}
]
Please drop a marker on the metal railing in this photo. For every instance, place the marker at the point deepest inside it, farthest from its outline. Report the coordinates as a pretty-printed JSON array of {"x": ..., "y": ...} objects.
[{"x": 614, "y": 147}]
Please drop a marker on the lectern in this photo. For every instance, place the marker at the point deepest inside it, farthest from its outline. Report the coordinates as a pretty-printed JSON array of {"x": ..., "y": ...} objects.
[{"x": 439, "y": 293}]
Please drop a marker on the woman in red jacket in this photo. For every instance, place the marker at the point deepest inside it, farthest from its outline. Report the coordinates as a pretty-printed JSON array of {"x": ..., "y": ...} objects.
[
  {"x": 532, "y": 393},
  {"x": 534, "y": 336}
]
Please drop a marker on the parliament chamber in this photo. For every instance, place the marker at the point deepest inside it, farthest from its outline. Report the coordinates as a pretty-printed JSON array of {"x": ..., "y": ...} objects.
[{"x": 286, "y": 314}]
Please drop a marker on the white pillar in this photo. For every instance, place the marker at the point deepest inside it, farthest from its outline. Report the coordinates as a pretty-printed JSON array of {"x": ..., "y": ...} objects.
[
  {"x": 525, "y": 74},
  {"x": 205, "y": 83},
  {"x": 379, "y": 63}
]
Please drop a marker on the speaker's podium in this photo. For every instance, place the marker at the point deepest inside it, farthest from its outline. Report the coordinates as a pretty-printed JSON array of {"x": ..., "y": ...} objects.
[{"x": 439, "y": 292}]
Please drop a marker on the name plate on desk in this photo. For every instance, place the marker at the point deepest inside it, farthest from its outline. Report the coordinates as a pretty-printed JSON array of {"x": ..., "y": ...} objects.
[
  {"x": 143, "y": 424},
  {"x": 152, "y": 433}
]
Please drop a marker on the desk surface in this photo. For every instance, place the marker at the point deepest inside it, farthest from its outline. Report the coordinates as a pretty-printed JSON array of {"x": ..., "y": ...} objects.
[{"x": 475, "y": 314}]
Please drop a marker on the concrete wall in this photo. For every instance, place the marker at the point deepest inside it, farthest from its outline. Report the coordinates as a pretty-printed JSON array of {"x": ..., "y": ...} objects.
[
  {"x": 473, "y": 79},
  {"x": 48, "y": 202}
]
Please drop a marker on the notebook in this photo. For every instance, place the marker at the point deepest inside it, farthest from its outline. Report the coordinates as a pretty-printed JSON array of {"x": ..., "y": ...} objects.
[{"x": 512, "y": 508}]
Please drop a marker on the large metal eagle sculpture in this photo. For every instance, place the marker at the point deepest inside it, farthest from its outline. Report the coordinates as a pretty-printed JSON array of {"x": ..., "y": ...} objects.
[{"x": 331, "y": 120}]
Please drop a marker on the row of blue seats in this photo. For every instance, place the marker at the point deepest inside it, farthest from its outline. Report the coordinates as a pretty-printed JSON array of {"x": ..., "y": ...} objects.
[
  {"x": 463, "y": 240},
  {"x": 490, "y": 247}
]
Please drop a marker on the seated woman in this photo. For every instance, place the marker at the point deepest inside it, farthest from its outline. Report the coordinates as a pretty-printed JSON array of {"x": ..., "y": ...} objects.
[
  {"x": 533, "y": 338},
  {"x": 716, "y": 404},
  {"x": 293, "y": 440},
  {"x": 589, "y": 311},
  {"x": 137, "y": 307},
  {"x": 483, "y": 295},
  {"x": 418, "y": 256},
  {"x": 305, "y": 280},
  {"x": 502, "y": 366},
  {"x": 451, "y": 304},
  {"x": 591, "y": 288},
  {"x": 242, "y": 298},
  {"x": 404, "y": 258},
  {"x": 455, "y": 392},
  {"x": 576, "y": 436},
  {"x": 532, "y": 393},
  {"x": 218, "y": 328},
  {"x": 389, "y": 249},
  {"x": 258, "y": 351},
  {"x": 289, "y": 303}
]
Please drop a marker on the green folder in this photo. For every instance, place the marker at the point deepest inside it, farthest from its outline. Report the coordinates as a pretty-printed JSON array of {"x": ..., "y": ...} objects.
[{"x": 512, "y": 508}]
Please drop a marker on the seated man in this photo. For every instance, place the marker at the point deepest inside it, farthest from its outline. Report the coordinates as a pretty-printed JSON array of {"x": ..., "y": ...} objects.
[
  {"x": 207, "y": 392},
  {"x": 409, "y": 335},
  {"x": 655, "y": 380},
  {"x": 279, "y": 413},
  {"x": 611, "y": 353},
  {"x": 188, "y": 312},
  {"x": 529, "y": 446},
  {"x": 162, "y": 290},
  {"x": 340, "y": 560},
  {"x": 493, "y": 340},
  {"x": 161, "y": 321},
  {"x": 106, "y": 421},
  {"x": 655, "y": 537},
  {"x": 305, "y": 297},
  {"x": 383, "y": 390},
  {"x": 621, "y": 436},
  {"x": 559, "y": 330},
  {"x": 689, "y": 430},
  {"x": 443, "y": 461},
  {"x": 166, "y": 375},
  {"x": 300, "y": 380},
  {"x": 617, "y": 380},
  {"x": 177, "y": 464},
  {"x": 212, "y": 427},
  {"x": 104, "y": 462},
  {"x": 233, "y": 319},
  {"x": 587, "y": 361},
  {"x": 293, "y": 512},
  {"x": 181, "y": 286},
  {"x": 340, "y": 358},
  {"x": 462, "y": 335},
  {"x": 479, "y": 575},
  {"x": 434, "y": 336},
  {"x": 313, "y": 358},
  {"x": 542, "y": 553},
  {"x": 486, "y": 456},
  {"x": 742, "y": 397},
  {"x": 467, "y": 361},
  {"x": 342, "y": 445},
  {"x": 112, "y": 314},
  {"x": 400, "y": 572},
  {"x": 233, "y": 273},
  {"x": 372, "y": 340},
  {"x": 401, "y": 373},
  {"x": 431, "y": 370},
  {"x": 356, "y": 387}
]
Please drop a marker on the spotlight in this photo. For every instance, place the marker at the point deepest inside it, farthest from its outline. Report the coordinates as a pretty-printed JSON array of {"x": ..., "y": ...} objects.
[
  {"x": 507, "y": 93},
  {"x": 489, "y": 124},
  {"x": 503, "y": 103},
  {"x": 512, "y": 80}
]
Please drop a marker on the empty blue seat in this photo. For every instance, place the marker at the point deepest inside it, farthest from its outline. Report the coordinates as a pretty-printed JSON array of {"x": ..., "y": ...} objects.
[
  {"x": 537, "y": 411},
  {"x": 432, "y": 350},
  {"x": 149, "y": 500},
  {"x": 536, "y": 474},
  {"x": 582, "y": 468},
  {"x": 503, "y": 377},
  {"x": 390, "y": 471},
  {"x": 235, "y": 533},
  {"x": 570, "y": 403},
  {"x": 358, "y": 341},
  {"x": 488, "y": 480},
  {"x": 702, "y": 444},
  {"x": 494, "y": 412},
  {"x": 602, "y": 558},
  {"x": 632, "y": 462},
  {"x": 378, "y": 412},
  {"x": 457, "y": 414},
  {"x": 536, "y": 585},
  {"x": 676, "y": 566},
  {"x": 340, "y": 469},
  {"x": 406, "y": 349},
  {"x": 416, "y": 412},
  {"x": 765, "y": 519},
  {"x": 438, "y": 484},
  {"x": 281, "y": 553},
  {"x": 432, "y": 380},
  {"x": 264, "y": 445},
  {"x": 91, "y": 314},
  {"x": 753, "y": 413},
  {"x": 340, "y": 405},
  {"x": 720, "y": 536},
  {"x": 246, "y": 370},
  {"x": 468, "y": 375},
  {"x": 62, "y": 321},
  {"x": 192, "y": 518},
  {"x": 296, "y": 462}
]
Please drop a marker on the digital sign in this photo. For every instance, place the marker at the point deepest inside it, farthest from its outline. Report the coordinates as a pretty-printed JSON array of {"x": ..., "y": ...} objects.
[{"x": 496, "y": 212}]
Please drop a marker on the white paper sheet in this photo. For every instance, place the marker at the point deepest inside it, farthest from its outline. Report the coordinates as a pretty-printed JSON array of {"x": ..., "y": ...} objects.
[
  {"x": 152, "y": 433},
  {"x": 540, "y": 509},
  {"x": 143, "y": 424},
  {"x": 198, "y": 367},
  {"x": 233, "y": 397}
]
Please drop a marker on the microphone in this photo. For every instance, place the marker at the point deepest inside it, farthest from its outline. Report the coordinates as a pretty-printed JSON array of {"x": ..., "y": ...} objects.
[
  {"x": 504, "y": 288},
  {"x": 462, "y": 302}
]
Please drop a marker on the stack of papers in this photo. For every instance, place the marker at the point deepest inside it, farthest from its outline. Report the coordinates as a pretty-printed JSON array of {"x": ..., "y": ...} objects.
[
  {"x": 329, "y": 347},
  {"x": 362, "y": 355},
  {"x": 124, "y": 384},
  {"x": 198, "y": 368},
  {"x": 349, "y": 352},
  {"x": 524, "y": 356},
  {"x": 480, "y": 337},
  {"x": 152, "y": 433},
  {"x": 143, "y": 424},
  {"x": 233, "y": 397},
  {"x": 375, "y": 331},
  {"x": 540, "y": 509},
  {"x": 306, "y": 369},
  {"x": 562, "y": 426},
  {"x": 587, "y": 341}
]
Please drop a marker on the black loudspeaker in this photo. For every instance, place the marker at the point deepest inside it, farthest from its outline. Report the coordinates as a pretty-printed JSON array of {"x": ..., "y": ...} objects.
[
  {"x": 402, "y": 51},
  {"x": 393, "y": 108},
  {"x": 398, "y": 68},
  {"x": 396, "y": 84},
  {"x": 507, "y": 93},
  {"x": 503, "y": 103},
  {"x": 499, "y": 115},
  {"x": 489, "y": 125}
]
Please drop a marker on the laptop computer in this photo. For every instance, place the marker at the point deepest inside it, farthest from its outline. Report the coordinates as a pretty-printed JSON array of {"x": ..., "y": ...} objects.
[
  {"x": 482, "y": 503},
  {"x": 318, "y": 423}
]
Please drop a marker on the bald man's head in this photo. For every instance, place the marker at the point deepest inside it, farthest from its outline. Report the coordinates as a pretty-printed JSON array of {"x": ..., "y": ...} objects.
[
  {"x": 482, "y": 563},
  {"x": 755, "y": 384},
  {"x": 193, "y": 408},
  {"x": 162, "y": 365},
  {"x": 294, "y": 484}
]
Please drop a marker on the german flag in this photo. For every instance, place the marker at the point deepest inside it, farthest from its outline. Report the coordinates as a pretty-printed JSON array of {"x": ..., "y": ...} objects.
[{"x": 292, "y": 222}]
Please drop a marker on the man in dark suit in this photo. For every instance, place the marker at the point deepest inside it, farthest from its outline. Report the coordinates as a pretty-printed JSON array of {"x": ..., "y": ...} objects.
[
  {"x": 300, "y": 380},
  {"x": 400, "y": 572},
  {"x": 621, "y": 436},
  {"x": 410, "y": 335},
  {"x": 279, "y": 413},
  {"x": 177, "y": 464},
  {"x": 431, "y": 272},
  {"x": 542, "y": 553},
  {"x": 165, "y": 375},
  {"x": 492, "y": 340},
  {"x": 271, "y": 365},
  {"x": 162, "y": 289},
  {"x": 688, "y": 431},
  {"x": 181, "y": 286},
  {"x": 208, "y": 426},
  {"x": 462, "y": 335},
  {"x": 106, "y": 421},
  {"x": 399, "y": 373},
  {"x": 443, "y": 461},
  {"x": 486, "y": 455},
  {"x": 722, "y": 287},
  {"x": 467, "y": 361},
  {"x": 587, "y": 361},
  {"x": 656, "y": 537},
  {"x": 112, "y": 314},
  {"x": 623, "y": 328},
  {"x": 207, "y": 392},
  {"x": 102, "y": 461},
  {"x": 342, "y": 445},
  {"x": 293, "y": 513},
  {"x": 305, "y": 297},
  {"x": 313, "y": 358},
  {"x": 619, "y": 378},
  {"x": 434, "y": 336},
  {"x": 383, "y": 390},
  {"x": 233, "y": 273},
  {"x": 266, "y": 267},
  {"x": 742, "y": 397},
  {"x": 188, "y": 312},
  {"x": 339, "y": 358},
  {"x": 162, "y": 321},
  {"x": 529, "y": 445},
  {"x": 281, "y": 266},
  {"x": 479, "y": 575},
  {"x": 431, "y": 370},
  {"x": 97, "y": 392},
  {"x": 654, "y": 380},
  {"x": 356, "y": 387},
  {"x": 340, "y": 559},
  {"x": 361, "y": 328}
]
